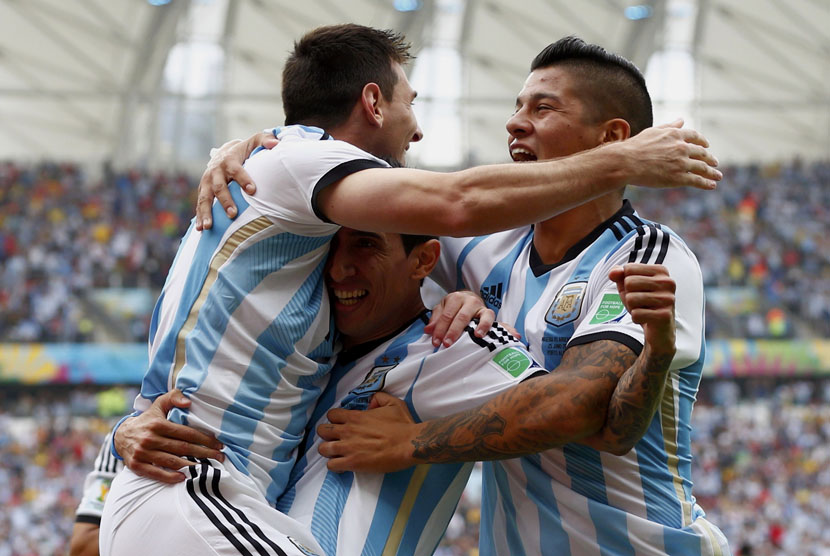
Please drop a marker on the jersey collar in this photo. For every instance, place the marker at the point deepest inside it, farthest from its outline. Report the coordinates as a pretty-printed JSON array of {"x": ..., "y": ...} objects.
[{"x": 539, "y": 268}]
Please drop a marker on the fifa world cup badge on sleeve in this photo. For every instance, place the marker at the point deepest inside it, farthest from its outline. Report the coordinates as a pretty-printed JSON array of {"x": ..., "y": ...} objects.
[{"x": 567, "y": 304}]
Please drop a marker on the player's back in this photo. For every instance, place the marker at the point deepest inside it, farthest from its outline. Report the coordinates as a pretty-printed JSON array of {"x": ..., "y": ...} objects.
[{"x": 243, "y": 326}]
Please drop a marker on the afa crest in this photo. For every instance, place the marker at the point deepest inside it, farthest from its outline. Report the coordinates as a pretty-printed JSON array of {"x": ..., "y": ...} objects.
[
  {"x": 567, "y": 304},
  {"x": 361, "y": 394}
]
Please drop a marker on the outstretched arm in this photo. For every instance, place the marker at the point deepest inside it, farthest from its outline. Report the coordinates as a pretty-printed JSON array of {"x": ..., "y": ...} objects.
[
  {"x": 582, "y": 400},
  {"x": 487, "y": 199},
  {"x": 490, "y": 198}
]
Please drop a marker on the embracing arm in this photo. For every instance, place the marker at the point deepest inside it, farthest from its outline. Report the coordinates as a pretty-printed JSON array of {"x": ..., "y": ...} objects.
[
  {"x": 486, "y": 199},
  {"x": 564, "y": 406},
  {"x": 601, "y": 394}
]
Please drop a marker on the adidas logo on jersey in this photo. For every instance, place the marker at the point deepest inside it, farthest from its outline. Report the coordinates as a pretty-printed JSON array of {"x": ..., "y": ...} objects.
[{"x": 492, "y": 294}]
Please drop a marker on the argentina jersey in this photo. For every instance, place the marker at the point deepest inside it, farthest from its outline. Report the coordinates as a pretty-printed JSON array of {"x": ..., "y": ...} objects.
[
  {"x": 403, "y": 513},
  {"x": 243, "y": 326},
  {"x": 577, "y": 500}
]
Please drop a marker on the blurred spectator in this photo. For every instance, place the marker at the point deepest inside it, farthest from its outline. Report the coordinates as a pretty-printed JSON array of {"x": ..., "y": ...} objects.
[
  {"x": 766, "y": 229},
  {"x": 62, "y": 235}
]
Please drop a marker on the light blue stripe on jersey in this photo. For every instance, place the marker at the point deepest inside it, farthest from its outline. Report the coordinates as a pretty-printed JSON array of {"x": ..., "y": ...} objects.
[
  {"x": 236, "y": 279},
  {"x": 439, "y": 479},
  {"x": 551, "y": 533},
  {"x": 488, "y": 509},
  {"x": 324, "y": 403},
  {"x": 496, "y": 479},
  {"x": 500, "y": 274},
  {"x": 155, "y": 381},
  {"x": 328, "y": 509},
  {"x": 459, "y": 281},
  {"x": 280, "y": 475},
  {"x": 154, "y": 320},
  {"x": 682, "y": 542},
  {"x": 662, "y": 505}
]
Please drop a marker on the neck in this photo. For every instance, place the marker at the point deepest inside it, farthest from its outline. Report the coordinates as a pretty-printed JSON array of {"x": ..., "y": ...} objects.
[
  {"x": 358, "y": 135},
  {"x": 406, "y": 316},
  {"x": 554, "y": 237}
]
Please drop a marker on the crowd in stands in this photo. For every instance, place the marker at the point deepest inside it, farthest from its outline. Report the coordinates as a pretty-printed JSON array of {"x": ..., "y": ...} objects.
[
  {"x": 761, "y": 466},
  {"x": 63, "y": 235},
  {"x": 48, "y": 441},
  {"x": 762, "y": 240}
]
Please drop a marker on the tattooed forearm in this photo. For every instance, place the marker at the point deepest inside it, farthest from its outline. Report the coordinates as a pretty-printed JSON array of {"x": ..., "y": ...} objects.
[
  {"x": 568, "y": 404},
  {"x": 635, "y": 400}
]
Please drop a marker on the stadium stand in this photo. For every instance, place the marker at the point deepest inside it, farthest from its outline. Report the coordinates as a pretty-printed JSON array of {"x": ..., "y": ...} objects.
[{"x": 66, "y": 240}]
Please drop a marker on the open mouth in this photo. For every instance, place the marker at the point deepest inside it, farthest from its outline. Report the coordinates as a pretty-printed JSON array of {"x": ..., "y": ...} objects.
[
  {"x": 349, "y": 297},
  {"x": 522, "y": 155}
]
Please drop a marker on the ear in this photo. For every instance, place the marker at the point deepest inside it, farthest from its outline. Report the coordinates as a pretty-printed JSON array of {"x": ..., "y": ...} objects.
[
  {"x": 370, "y": 101},
  {"x": 423, "y": 258},
  {"x": 615, "y": 130}
]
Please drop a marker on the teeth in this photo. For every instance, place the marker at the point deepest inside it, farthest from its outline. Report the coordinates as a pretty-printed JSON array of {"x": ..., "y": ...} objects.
[
  {"x": 349, "y": 297},
  {"x": 522, "y": 153}
]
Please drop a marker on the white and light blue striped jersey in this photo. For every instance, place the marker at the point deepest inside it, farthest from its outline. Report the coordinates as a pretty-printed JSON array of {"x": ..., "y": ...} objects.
[
  {"x": 243, "y": 326},
  {"x": 97, "y": 485},
  {"x": 577, "y": 500},
  {"x": 403, "y": 513}
]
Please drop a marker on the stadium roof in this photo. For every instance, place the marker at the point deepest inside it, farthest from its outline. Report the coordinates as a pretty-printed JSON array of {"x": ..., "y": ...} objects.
[{"x": 136, "y": 82}]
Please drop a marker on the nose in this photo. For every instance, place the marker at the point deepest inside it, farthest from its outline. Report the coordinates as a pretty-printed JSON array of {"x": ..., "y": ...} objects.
[
  {"x": 339, "y": 265},
  {"x": 518, "y": 124},
  {"x": 418, "y": 135}
]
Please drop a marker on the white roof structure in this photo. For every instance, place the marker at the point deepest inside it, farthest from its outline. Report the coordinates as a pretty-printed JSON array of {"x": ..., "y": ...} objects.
[{"x": 138, "y": 83}]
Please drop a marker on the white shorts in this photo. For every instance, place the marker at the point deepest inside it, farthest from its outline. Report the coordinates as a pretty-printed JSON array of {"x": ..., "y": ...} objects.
[{"x": 217, "y": 510}]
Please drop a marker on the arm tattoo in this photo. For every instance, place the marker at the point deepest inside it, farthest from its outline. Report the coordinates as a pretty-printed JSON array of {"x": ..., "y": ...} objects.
[
  {"x": 636, "y": 398},
  {"x": 568, "y": 404}
]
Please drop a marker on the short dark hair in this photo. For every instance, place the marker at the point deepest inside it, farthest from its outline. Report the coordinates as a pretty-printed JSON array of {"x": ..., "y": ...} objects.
[
  {"x": 611, "y": 86},
  {"x": 411, "y": 241},
  {"x": 325, "y": 74}
]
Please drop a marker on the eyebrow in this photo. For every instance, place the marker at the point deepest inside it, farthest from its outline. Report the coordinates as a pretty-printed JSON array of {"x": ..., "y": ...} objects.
[
  {"x": 539, "y": 96},
  {"x": 372, "y": 235}
]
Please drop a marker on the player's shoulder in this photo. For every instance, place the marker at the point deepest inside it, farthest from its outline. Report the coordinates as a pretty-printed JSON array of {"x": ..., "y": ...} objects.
[
  {"x": 650, "y": 242},
  {"x": 299, "y": 139}
]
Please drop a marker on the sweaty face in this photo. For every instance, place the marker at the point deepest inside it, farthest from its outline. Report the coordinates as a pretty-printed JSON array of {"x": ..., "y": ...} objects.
[
  {"x": 550, "y": 118},
  {"x": 370, "y": 284},
  {"x": 400, "y": 128}
]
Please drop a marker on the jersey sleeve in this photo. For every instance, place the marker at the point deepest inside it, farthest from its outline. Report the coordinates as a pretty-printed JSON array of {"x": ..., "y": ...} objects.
[
  {"x": 471, "y": 371},
  {"x": 97, "y": 485},
  {"x": 607, "y": 319},
  {"x": 290, "y": 177}
]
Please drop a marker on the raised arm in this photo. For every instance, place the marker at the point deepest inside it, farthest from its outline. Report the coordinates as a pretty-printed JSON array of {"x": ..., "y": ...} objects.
[{"x": 588, "y": 398}]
